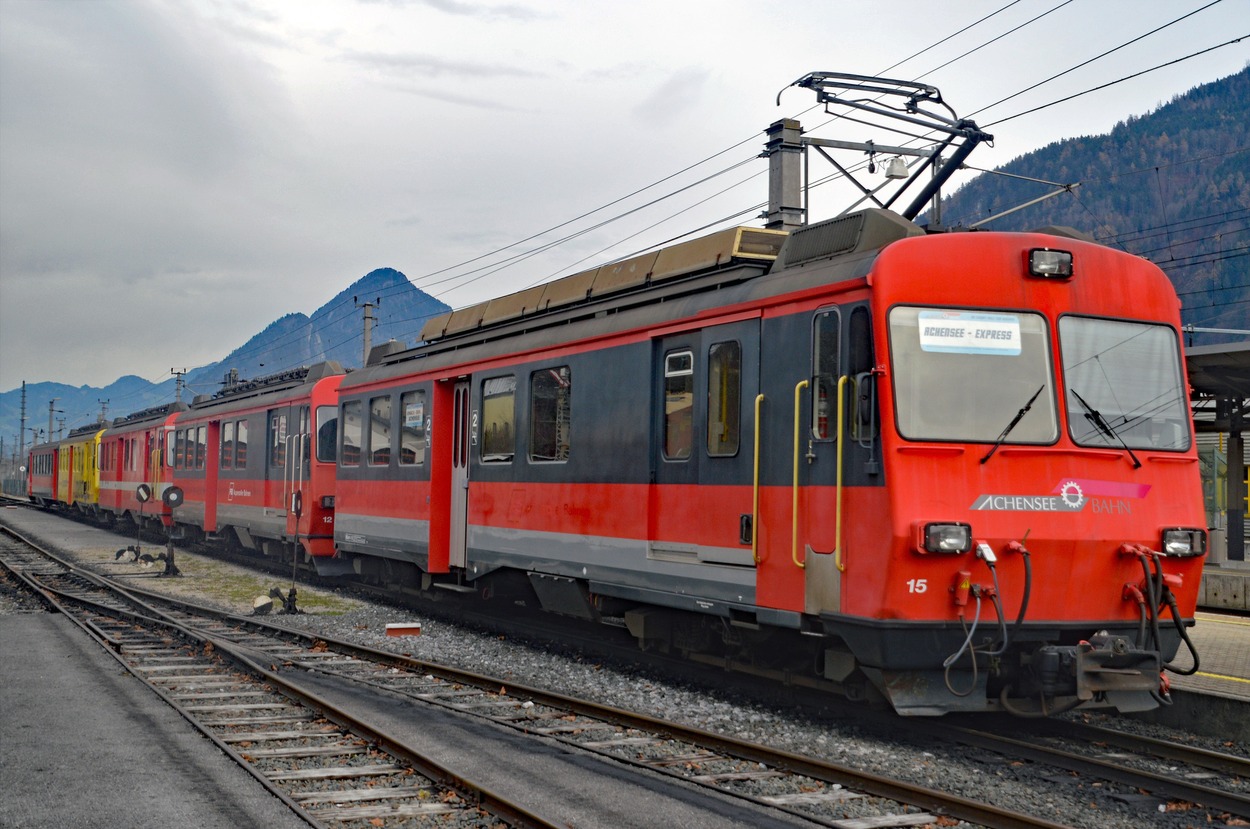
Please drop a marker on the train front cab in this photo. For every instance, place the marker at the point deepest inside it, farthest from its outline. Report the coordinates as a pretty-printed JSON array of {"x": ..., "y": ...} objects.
[
  {"x": 1045, "y": 528},
  {"x": 250, "y": 468},
  {"x": 131, "y": 457}
]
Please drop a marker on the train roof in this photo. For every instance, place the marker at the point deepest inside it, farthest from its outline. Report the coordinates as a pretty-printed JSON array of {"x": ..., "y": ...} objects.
[
  {"x": 734, "y": 246},
  {"x": 270, "y": 384},
  {"x": 741, "y": 264},
  {"x": 153, "y": 413},
  {"x": 90, "y": 429}
]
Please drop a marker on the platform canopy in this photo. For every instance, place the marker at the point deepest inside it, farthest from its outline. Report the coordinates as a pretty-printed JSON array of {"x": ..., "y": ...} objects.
[
  {"x": 1220, "y": 371},
  {"x": 1221, "y": 374}
]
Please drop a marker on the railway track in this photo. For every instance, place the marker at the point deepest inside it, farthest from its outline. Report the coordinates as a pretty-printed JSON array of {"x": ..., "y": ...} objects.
[
  {"x": 327, "y": 765},
  {"x": 1175, "y": 774},
  {"x": 179, "y": 650},
  {"x": 1208, "y": 786}
]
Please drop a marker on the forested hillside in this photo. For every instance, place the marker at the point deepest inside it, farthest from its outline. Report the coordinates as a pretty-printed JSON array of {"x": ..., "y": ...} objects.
[{"x": 1172, "y": 185}]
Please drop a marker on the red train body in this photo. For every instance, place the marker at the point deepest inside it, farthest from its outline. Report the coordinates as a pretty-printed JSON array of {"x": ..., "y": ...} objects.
[
  {"x": 249, "y": 467},
  {"x": 132, "y": 462},
  {"x": 956, "y": 471}
]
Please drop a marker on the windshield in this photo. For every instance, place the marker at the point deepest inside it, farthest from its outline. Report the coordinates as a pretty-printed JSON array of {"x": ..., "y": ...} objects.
[
  {"x": 1124, "y": 384},
  {"x": 966, "y": 375}
]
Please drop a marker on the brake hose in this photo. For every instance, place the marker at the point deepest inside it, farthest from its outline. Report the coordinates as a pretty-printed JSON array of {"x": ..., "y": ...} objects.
[{"x": 950, "y": 660}]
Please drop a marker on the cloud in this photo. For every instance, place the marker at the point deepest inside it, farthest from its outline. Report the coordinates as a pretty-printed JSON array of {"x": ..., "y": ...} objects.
[
  {"x": 507, "y": 11},
  {"x": 433, "y": 66},
  {"x": 675, "y": 98}
]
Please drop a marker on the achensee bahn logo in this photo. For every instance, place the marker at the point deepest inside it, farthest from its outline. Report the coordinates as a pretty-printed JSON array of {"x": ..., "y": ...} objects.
[{"x": 1069, "y": 495}]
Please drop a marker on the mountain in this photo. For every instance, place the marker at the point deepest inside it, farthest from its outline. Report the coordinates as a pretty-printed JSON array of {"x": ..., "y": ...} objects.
[
  {"x": 1172, "y": 186},
  {"x": 333, "y": 332}
]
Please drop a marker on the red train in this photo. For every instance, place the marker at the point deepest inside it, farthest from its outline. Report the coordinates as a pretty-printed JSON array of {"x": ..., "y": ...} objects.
[{"x": 953, "y": 470}]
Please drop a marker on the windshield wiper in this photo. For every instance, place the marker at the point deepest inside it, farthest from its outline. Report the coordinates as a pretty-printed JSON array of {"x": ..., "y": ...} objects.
[
  {"x": 1019, "y": 416},
  {"x": 1100, "y": 423}
]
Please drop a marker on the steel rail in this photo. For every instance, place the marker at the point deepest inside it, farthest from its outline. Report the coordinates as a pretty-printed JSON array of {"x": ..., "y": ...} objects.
[
  {"x": 1157, "y": 784},
  {"x": 514, "y": 814},
  {"x": 867, "y": 782}
]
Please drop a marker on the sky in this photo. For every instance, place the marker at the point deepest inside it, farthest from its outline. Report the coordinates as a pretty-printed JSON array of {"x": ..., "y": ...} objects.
[{"x": 176, "y": 175}]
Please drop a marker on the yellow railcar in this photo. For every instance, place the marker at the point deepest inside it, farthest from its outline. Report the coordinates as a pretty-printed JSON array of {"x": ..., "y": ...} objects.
[{"x": 78, "y": 465}]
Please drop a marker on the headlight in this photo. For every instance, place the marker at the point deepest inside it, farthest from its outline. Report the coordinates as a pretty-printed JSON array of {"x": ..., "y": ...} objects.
[
  {"x": 1050, "y": 264},
  {"x": 1183, "y": 542},
  {"x": 947, "y": 538}
]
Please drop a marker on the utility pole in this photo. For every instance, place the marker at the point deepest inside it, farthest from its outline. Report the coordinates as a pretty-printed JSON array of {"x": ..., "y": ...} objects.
[
  {"x": 104, "y": 410},
  {"x": 51, "y": 411},
  {"x": 368, "y": 306},
  {"x": 178, "y": 385},
  {"x": 21, "y": 435}
]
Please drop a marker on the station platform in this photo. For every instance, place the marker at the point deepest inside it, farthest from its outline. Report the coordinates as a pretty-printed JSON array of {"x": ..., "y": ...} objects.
[
  {"x": 84, "y": 744},
  {"x": 1226, "y": 586}
]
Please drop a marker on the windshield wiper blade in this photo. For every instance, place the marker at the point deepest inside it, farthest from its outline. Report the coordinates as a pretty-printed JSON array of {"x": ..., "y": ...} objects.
[
  {"x": 1100, "y": 423},
  {"x": 1019, "y": 416}
]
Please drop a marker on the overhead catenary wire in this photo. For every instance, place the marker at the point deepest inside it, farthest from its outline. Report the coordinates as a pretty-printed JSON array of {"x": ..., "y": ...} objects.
[
  {"x": 477, "y": 273},
  {"x": 422, "y": 281}
]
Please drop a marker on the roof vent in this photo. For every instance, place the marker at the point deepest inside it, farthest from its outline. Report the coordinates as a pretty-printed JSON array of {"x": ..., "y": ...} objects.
[{"x": 866, "y": 230}]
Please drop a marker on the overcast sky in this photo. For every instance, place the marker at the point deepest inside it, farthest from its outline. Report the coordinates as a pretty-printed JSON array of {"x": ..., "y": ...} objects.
[{"x": 176, "y": 175}]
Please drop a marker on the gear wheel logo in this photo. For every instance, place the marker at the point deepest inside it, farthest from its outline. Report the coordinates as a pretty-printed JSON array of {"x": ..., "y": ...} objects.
[{"x": 1073, "y": 496}]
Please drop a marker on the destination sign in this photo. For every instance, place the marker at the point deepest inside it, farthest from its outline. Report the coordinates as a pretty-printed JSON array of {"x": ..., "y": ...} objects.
[{"x": 969, "y": 332}]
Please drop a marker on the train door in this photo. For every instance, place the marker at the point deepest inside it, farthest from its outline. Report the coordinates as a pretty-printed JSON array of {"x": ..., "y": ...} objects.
[
  {"x": 279, "y": 464},
  {"x": 458, "y": 514},
  {"x": 64, "y": 472},
  {"x": 701, "y": 505},
  {"x": 842, "y": 451},
  {"x": 674, "y": 459},
  {"x": 207, "y": 462},
  {"x": 294, "y": 421}
]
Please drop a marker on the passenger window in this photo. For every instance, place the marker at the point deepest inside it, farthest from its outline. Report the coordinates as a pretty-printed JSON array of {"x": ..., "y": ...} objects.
[
  {"x": 550, "y": 414},
  {"x": 412, "y": 435},
  {"x": 351, "y": 424},
  {"x": 724, "y": 398},
  {"x": 227, "y": 445},
  {"x": 498, "y": 419},
  {"x": 678, "y": 404},
  {"x": 380, "y": 431},
  {"x": 277, "y": 439},
  {"x": 180, "y": 444},
  {"x": 859, "y": 361},
  {"x": 327, "y": 433},
  {"x": 240, "y": 446},
  {"x": 201, "y": 446},
  {"x": 303, "y": 442},
  {"x": 825, "y": 373}
]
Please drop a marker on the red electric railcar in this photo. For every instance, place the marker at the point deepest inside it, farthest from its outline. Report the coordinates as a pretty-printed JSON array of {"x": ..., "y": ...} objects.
[
  {"x": 955, "y": 470},
  {"x": 251, "y": 468},
  {"x": 132, "y": 460}
]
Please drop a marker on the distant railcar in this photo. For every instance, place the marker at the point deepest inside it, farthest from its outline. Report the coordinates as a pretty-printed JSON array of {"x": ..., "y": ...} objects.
[
  {"x": 41, "y": 474},
  {"x": 77, "y": 483},
  {"x": 131, "y": 458},
  {"x": 250, "y": 466}
]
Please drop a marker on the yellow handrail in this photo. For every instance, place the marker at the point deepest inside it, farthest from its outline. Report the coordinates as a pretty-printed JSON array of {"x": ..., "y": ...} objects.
[
  {"x": 755, "y": 485},
  {"x": 794, "y": 509},
  {"x": 837, "y": 540}
]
